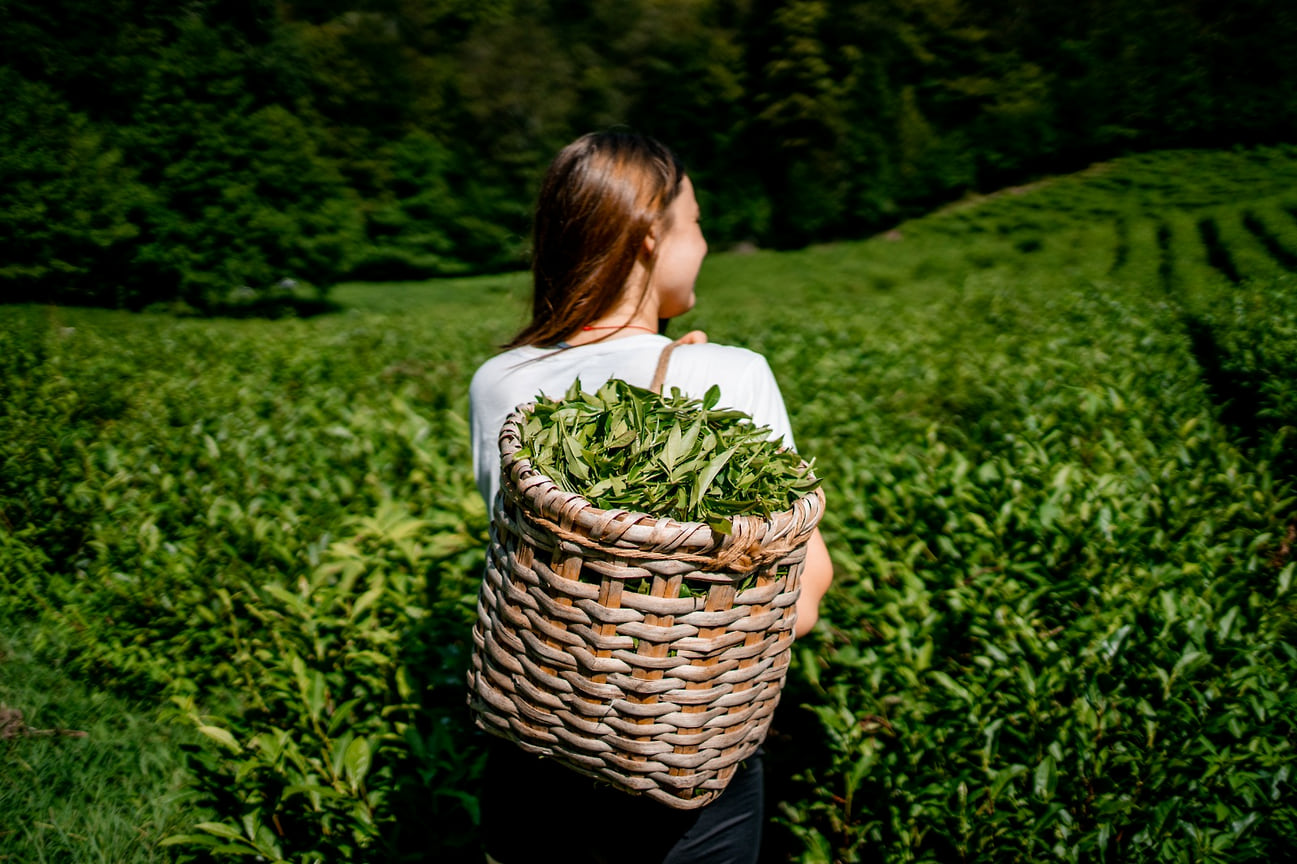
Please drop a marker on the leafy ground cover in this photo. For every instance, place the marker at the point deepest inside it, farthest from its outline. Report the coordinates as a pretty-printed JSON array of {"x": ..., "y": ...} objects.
[{"x": 1055, "y": 428}]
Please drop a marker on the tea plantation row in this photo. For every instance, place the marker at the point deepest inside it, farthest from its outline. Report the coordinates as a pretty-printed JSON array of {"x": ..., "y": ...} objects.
[{"x": 1056, "y": 432}]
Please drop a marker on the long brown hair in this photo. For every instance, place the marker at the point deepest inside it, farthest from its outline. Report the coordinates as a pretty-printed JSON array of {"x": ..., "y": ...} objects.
[{"x": 601, "y": 195}]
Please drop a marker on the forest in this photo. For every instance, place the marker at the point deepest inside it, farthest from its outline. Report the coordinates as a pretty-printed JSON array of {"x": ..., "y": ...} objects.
[{"x": 219, "y": 154}]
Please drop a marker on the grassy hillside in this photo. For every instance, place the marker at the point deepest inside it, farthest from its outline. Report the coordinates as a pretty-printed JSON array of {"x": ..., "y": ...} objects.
[{"x": 1055, "y": 428}]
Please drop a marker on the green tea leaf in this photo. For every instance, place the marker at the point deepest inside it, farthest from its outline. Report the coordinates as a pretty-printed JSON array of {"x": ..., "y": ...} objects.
[
  {"x": 357, "y": 762},
  {"x": 665, "y": 455},
  {"x": 222, "y": 737}
]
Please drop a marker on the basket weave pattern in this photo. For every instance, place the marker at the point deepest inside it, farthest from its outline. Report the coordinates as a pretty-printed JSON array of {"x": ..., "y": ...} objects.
[{"x": 657, "y": 693}]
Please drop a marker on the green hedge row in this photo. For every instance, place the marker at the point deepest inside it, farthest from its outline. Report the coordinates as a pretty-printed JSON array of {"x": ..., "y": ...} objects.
[{"x": 1062, "y": 623}]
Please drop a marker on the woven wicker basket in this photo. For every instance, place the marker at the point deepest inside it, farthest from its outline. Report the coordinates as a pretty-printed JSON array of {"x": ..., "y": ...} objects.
[{"x": 660, "y": 694}]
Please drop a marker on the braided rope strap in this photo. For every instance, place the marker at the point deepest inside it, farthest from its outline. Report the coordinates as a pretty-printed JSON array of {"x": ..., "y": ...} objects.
[{"x": 586, "y": 651}]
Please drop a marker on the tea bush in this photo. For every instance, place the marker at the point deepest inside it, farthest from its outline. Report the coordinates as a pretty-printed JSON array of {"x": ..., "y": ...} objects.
[
  {"x": 154, "y": 509},
  {"x": 1017, "y": 665},
  {"x": 1056, "y": 439},
  {"x": 344, "y": 750}
]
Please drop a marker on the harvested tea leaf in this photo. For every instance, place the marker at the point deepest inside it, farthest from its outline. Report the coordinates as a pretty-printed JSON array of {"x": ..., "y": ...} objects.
[{"x": 623, "y": 447}]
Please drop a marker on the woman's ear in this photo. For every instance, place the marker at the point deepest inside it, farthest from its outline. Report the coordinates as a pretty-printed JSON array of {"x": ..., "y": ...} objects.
[{"x": 650, "y": 240}]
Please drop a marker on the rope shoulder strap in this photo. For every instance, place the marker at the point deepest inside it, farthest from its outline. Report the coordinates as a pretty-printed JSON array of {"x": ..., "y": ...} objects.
[{"x": 664, "y": 360}]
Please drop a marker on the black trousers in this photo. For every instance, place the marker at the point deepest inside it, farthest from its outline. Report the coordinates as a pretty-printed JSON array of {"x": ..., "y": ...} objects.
[{"x": 535, "y": 810}]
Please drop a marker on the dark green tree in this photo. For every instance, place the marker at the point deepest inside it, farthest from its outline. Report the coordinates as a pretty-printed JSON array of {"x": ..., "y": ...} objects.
[
  {"x": 70, "y": 209},
  {"x": 245, "y": 198}
]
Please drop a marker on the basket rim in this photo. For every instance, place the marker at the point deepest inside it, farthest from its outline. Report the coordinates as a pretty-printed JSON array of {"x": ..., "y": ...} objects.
[{"x": 620, "y": 529}]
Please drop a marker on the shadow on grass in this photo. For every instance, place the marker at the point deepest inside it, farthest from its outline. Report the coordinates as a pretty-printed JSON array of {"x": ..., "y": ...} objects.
[{"x": 272, "y": 308}]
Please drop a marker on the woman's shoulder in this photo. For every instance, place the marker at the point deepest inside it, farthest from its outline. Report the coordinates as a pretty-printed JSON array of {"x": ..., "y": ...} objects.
[
  {"x": 718, "y": 354},
  {"x": 740, "y": 372},
  {"x": 720, "y": 349},
  {"x": 500, "y": 365},
  {"x": 529, "y": 367}
]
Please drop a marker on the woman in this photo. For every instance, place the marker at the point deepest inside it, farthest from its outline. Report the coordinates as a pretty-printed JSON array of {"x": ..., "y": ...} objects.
[{"x": 618, "y": 246}]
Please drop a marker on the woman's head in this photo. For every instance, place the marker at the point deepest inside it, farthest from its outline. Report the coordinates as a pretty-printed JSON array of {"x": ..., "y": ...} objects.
[{"x": 603, "y": 196}]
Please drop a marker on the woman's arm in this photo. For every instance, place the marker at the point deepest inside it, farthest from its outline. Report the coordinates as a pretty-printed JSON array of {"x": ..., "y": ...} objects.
[{"x": 817, "y": 575}]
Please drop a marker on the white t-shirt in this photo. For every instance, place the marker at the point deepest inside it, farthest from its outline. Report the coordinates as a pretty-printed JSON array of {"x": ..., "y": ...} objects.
[{"x": 517, "y": 376}]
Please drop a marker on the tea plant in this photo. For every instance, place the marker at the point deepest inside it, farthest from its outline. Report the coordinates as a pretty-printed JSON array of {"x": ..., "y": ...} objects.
[
  {"x": 1055, "y": 433},
  {"x": 623, "y": 447},
  {"x": 343, "y": 751}
]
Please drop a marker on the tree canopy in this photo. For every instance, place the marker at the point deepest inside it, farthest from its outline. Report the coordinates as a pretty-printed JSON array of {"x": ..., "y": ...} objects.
[{"x": 153, "y": 151}]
